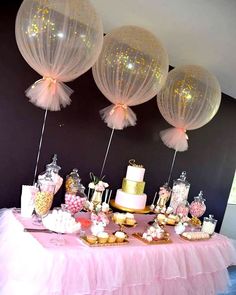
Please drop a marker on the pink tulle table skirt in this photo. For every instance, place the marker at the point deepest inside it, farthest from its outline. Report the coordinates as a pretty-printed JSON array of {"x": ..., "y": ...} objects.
[{"x": 32, "y": 265}]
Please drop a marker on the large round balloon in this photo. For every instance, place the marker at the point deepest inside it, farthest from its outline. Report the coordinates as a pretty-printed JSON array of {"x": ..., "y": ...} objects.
[
  {"x": 190, "y": 99},
  {"x": 131, "y": 69},
  {"x": 60, "y": 40}
]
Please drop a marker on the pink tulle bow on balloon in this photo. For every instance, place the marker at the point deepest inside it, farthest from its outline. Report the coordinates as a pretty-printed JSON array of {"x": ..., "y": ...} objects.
[
  {"x": 175, "y": 138},
  {"x": 189, "y": 100},
  {"x": 60, "y": 40},
  {"x": 130, "y": 70},
  {"x": 118, "y": 116},
  {"x": 49, "y": 93}
]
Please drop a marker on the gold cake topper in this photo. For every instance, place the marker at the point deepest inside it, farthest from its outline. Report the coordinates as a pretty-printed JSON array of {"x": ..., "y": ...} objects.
[{"x": 132, "y": 163}]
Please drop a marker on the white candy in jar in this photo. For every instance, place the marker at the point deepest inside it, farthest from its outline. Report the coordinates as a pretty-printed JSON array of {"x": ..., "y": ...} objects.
[{"x": 208, "y": 227}]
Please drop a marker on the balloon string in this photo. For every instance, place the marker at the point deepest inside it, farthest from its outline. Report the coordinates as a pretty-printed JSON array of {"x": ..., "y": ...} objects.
[
  {"x": 107, "y": 151},
  {"x": 172, "y": 166},
  {"x": 40, "y": 145}
]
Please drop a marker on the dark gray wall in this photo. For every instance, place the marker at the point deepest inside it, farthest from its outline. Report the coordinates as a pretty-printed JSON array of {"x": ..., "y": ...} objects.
[{"x": 79, "y": 136}]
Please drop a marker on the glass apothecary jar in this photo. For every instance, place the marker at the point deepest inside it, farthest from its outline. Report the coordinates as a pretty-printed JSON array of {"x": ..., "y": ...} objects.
[
  {"x": 44, "y": 197},
  {"x": 180, "y": 191},
  {"x": 75, "y": 197},
  {"x": 209, "y": 225},
  {"x": 53, "y": 169},
  {"x": 198, "y": 207},
  {"x": 73, "y": 183}
]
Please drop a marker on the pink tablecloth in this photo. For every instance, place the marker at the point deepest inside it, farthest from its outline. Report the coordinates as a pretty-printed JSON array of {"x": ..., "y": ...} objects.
[{"x": 31, "y": 265}]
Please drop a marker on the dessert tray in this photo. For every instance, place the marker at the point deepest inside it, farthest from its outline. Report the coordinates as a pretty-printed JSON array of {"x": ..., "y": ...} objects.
[
  {"x": 141, "y": 211},
  {"x": 129, "y": 225},
  {"x": 166, "y": 240},
  {"x": 97, "y": 244}
]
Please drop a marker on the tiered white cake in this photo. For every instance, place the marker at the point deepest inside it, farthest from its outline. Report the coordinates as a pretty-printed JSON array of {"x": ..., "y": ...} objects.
[{"x": 132, "y": 195}]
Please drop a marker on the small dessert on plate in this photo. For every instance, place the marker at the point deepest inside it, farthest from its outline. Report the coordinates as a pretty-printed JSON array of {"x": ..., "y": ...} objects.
[
  {"x": 130, "y": 219},
  {"x": 91, "y": 239},
  {"x": 120, "y": 236},
  {"x": 111, "y": 239},
  {"x": 102, "y": 237},
  {"x": 119, "y": 218}
]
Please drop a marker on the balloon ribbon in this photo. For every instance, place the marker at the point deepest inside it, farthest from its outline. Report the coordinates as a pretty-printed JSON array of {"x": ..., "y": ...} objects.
[
  {"x": 172, "y": 166},
  {"x": 40, "y": 146},
  {"x": 107, "y": 151}
]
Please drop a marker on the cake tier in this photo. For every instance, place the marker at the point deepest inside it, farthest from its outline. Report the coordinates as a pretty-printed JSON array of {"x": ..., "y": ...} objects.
[
  {"x": 130, "y": 201},
  {"x": 133, "y": 187},
  {"x": 135, "y": 173}
]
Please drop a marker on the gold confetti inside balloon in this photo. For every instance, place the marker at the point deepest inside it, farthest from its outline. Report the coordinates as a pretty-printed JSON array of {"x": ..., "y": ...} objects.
[
  {"x": 60, "y": 40},
  {"x": 130, "y": 70},
  {"x": 190, "y": 99}
]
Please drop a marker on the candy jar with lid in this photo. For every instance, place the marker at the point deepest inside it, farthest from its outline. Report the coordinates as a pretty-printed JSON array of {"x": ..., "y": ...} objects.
[
  {"x": 75, "y": 196},
  {"x": 180, "y": 191},
  {"x": 73, "y": 183},
  {"x": 197, "y": 209},
  {"x": 44, "y": 197},
  {"x": 209, "y": 225},
  {"x": 53, "y": 169}
]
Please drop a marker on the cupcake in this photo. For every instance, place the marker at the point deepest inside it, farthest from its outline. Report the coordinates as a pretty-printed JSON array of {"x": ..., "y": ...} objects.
[
  {"x": 102, "y": 237},
  {"x": 111, "y": 239},
  {"x": 120, "y": 218},
  {"x": 91, "y": 239},
  {"x": 120, "y": 236},
  {"x": 130, "y": 219}
]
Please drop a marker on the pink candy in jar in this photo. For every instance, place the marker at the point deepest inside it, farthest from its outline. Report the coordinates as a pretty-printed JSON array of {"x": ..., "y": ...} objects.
[
  {"x": 198, "y": 207},
  {"x": 74, "y": 203},
  {"x": 183, "y": 209}
]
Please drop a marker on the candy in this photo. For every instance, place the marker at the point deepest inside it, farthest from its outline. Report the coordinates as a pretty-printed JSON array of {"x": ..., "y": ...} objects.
[
  {"x": 60, "y": 221},
  {"x": 43, "y": 202},
  {"x": 74, "y": 203},
  {"x": 197, "y": 209}
]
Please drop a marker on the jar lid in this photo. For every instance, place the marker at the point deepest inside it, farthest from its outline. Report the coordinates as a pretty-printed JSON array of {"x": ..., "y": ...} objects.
[
  {"x": 53, "y": 165},
  {"x": 182, "y": 178},
  {"x": 211, "y": 217},
  {"x": 74, "y": 173},
  {"x": 200, "y": 197}
]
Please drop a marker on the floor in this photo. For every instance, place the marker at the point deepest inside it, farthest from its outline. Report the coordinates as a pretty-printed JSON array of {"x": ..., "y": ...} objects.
[{"x": 232, "y": 289}]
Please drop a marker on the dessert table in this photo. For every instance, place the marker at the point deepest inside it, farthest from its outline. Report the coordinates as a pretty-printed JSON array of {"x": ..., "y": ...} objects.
[{"x": 32, "y": 265}]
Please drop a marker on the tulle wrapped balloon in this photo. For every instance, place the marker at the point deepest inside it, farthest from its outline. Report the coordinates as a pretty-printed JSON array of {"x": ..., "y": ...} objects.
[
  {"x": 190, "y": 99},
  {"x": 130, "y": 70},
  {"x": 60, "y": 40}
]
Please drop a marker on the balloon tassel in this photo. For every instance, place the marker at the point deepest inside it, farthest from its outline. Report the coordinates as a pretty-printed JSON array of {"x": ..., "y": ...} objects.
[
  {"x": 107, "y": 151},
  {"x": 40, "y": 145},
  {"x": 172, "y": 166}
]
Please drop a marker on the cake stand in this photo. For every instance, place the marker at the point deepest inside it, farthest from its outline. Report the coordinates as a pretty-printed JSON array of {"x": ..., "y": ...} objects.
[{"x": 141, "y": 211}]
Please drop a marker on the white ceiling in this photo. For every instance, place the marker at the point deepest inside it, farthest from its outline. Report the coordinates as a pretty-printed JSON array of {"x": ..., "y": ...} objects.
[{"x": 201, "y": 32}]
